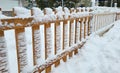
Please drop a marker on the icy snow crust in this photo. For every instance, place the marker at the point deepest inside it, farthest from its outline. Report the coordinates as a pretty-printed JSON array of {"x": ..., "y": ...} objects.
[{"x": 98, "y": 55}]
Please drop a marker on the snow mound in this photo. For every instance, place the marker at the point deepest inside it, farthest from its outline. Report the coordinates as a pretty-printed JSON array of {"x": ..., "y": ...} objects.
[
  {"x": 22, "y": 12},
  {"x": 37, "y": 14}
]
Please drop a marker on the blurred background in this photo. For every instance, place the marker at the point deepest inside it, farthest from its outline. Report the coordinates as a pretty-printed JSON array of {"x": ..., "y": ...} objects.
[
  {"x": 67, "y": 3},
  {"x": 55, "y": 3}
]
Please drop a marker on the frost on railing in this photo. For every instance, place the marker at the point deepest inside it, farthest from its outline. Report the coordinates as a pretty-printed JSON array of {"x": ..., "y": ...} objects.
[
  {"x": 21, "y": 48},
  {"x": 77, "y": 31},
  {"x": 18, "y": 25},
  {"x": 72, "y": 32},
  {"x": 58, "y": 38},
  {"x": 36, "y": 44},
  {"x": 3, "y": 54},
  {"x": 65, "y": 35},
  {"x": 48, "y": 42}
]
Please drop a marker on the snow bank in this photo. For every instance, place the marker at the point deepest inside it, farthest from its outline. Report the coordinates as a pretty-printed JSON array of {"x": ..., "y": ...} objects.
[{"x": 98, "y": 55}]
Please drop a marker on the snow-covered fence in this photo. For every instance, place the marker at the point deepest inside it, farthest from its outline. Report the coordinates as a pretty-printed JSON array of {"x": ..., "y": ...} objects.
[
  {"x": 3, "y": 54},
  {"x": 53, "y": 55},
  {"x": 63, "y": 32},
  {"x": 18, "y": 24},
  {"x": 101, "y": 20}
]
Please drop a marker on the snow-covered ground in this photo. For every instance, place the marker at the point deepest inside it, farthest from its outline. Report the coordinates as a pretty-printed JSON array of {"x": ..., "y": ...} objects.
[{"x": 100, "y": 54}]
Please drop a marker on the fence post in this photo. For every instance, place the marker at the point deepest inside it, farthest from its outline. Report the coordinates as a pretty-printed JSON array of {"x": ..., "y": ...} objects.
[
  {"x": 36, "y": 43},
  {"x": 77, "y": 30},
  {"x": 89, "y": 20},
  {"x": 85, "y": 27},
  {"x": 72, "y": 31},
  {"x": 3, "y": 54},
  {"x": 58, "y": 40},
  {"x": 47, "y": 33},
  {"x": 66, "y": 34},
  {"x": 13, "y": 12},
  {"x": 21, "y": 48},
  {"x": 80, "y": 20},
  {"x": 58, "y": 37}
]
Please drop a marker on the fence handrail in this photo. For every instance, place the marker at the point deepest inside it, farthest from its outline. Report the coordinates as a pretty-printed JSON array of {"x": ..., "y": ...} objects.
[{"x": 15, "y": 21}]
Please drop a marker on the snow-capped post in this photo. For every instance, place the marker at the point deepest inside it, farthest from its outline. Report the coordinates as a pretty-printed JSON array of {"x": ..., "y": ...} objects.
[
  {"x": 36, "y": 41},
  {"x": 3, "y": 54}
]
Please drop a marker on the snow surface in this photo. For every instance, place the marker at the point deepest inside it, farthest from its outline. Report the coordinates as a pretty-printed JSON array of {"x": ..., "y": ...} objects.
[{"x": 100, "y": 54}]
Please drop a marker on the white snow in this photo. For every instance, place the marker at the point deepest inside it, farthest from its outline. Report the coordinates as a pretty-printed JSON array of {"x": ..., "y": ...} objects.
[
  {"x": 49, "y": 15},
  {"x": 67, "y": 13},
  {"x": 59, "y": 13},
  {"x": 3, "y": 16},
  {"x": 22, "y": 12},
  {"x": 100, "y": 54},
  {"x": 37, "y": 14}
]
